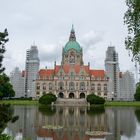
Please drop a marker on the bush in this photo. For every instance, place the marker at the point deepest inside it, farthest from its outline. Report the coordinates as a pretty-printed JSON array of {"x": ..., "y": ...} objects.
[
  {"x": 47, "y": 99},
  {"x": 94, "y": 99},
  {"x": 137, "y": 94}
]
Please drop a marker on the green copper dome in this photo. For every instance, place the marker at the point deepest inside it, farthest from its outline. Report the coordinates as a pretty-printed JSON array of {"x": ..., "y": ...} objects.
[{"x": 72, "y": 45}]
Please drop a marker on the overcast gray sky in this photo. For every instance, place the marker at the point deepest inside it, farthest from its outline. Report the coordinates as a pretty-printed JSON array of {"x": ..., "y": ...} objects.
[{"x": 97, "y": 23}]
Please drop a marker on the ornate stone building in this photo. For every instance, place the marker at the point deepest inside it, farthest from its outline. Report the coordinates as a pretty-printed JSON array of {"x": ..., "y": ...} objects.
[{"x": 72, "y": 79}]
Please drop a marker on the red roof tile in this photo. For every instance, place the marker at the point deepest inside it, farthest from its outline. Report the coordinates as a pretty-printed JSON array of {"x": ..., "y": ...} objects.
[
  {"x": 45, "y": 73},
  {"x": 98, "y": 73},
  {"x": 48, "y": 72}
]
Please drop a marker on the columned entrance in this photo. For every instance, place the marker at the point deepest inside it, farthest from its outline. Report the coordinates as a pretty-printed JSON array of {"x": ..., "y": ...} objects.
[
  {"x": 71, "y": 95},
  {"x": 82, "y": 95},
  {"x": 61, "y": 95}
]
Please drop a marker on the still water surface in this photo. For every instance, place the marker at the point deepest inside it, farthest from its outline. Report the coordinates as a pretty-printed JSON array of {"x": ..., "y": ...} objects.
[{"x": 122, "y": 123}]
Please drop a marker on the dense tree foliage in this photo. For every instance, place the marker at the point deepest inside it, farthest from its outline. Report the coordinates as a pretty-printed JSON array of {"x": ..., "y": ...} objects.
[
  {"x": 6, "y": 115},
  {"x": 3, "y": 40},
  {"x": 6, "y": 89},
  {"x": 94, "y": 99},
  {"x": 132, "y": 20},
  {"x": 47, "y": 99},
  {"x": 137, "y": 94}
]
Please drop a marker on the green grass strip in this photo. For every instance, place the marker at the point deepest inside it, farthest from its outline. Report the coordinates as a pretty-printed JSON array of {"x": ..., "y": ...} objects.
[
  {"x": 19, "y": 102},
  {"x": 122, "y": 103}
]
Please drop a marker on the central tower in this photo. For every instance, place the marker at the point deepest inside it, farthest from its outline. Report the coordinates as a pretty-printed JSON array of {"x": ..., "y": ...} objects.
[{"x": 72, "y": 52}]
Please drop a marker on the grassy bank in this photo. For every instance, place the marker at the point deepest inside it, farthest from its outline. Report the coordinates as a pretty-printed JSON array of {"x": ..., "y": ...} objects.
[
  {"x": 28, "y": 102},
  {"x": 122, "y": 103},
  {"x": 19, "y": 102}
]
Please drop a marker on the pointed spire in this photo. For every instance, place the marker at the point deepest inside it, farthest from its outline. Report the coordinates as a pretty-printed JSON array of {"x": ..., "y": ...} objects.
[
  {"x": 72, "y": 29},
  {"x": 72, "y": 34},
  {"x": 33, "y": 43}
]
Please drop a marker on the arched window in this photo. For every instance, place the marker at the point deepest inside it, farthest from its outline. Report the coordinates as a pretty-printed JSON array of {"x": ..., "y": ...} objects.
[
  {"x": 61, "y": 85},
  {"x": 44, "y": 86},
  {"x": 99, "y": 87},
  {"x": 38, "y": 86},
  {"x": 82, "y": 86},
  {"x": 50, "y": 86},
  {"x": 99, "y": 93},
  {"x": 92, "y": 86},
  {"x": 105, "y": 93},
  {"x": 105, "y": 87},
  {"x": 82, "y": 95},
  {"x": 71, "y": 95},
  {"x": 71, "y": 86},
  {"x": 61, "y": 95}
]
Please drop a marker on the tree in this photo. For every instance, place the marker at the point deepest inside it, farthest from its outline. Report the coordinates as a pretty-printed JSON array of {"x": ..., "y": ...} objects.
[
  {"x": 94, "y": 99},
  {"x": 47, "y": 99},
  {"x": 3, "y": 40},
  {"x": 6, "y": 115},
  {"x": 132, "y": 20},
  {"x": 6, "y": 89},
  {"x": 137, "y": 94}
]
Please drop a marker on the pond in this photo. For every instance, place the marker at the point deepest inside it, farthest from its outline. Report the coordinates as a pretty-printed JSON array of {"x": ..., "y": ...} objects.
[{"x": 75, "y": 123}]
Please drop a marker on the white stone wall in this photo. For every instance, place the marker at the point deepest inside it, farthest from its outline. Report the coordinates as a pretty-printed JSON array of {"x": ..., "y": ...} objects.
[
  {"x": 127, "y": 86},
  {"x": 17, "y": 82}
]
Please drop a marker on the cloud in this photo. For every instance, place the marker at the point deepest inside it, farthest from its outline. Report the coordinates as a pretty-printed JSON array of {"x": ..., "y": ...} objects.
[
  {"x": 47, "y": 21},
  {"x": 91, "y": 38},
  {"x": 49, "y": 52}
]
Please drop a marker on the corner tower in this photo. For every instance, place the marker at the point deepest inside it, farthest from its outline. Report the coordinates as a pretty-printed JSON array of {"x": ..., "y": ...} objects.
[{"x": 72, "y": 51}]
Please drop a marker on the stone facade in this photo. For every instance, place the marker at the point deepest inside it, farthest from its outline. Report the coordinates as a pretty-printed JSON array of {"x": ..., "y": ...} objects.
[{"x": 72, "y": 79}]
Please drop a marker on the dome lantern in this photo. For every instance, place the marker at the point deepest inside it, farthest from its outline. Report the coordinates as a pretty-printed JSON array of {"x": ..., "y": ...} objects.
[{"x": 72, "y": 43}]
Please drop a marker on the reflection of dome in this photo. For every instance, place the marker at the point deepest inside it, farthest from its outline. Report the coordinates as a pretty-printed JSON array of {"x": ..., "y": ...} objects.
[{"x": 72, "y": 45}]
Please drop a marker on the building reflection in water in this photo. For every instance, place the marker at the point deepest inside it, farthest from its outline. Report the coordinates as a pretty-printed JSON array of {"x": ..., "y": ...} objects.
[{"x": 75, "y": 121}]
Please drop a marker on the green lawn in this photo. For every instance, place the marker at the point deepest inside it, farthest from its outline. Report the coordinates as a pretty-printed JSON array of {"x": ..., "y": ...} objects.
[
  {"x": 27, "y": 102},
  {"x": 19, "y": 102},
  {"x": 122, "y": 103}
]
